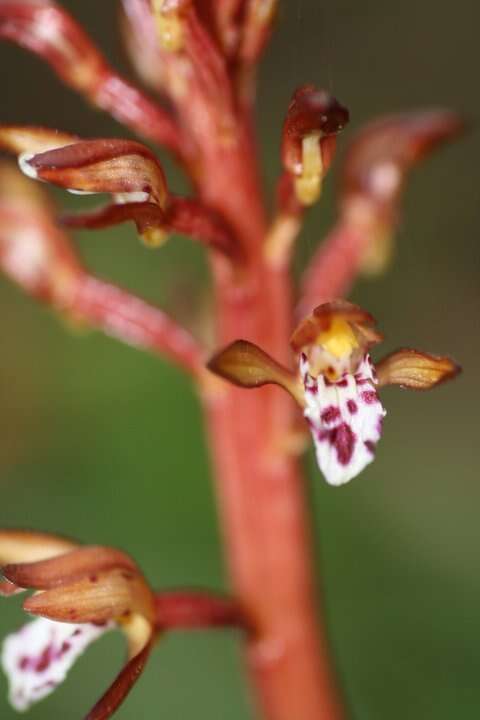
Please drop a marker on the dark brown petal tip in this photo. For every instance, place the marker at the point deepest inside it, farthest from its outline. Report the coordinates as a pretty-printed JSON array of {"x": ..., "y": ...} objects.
[
  {"x": 314, "y": 110},
  {"x": 383, "y": 152},
  {"x": 121, "y": 686},
  {"x": 415, "y": 370},
  {"x": 247, "y": 365}
]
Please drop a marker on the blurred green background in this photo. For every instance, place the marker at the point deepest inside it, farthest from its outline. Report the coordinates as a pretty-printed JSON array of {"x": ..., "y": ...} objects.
[{"x": 105, "y": 443}]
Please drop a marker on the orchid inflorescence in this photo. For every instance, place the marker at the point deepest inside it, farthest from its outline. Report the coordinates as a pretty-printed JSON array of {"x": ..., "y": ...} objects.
[{"x": 201, "y": 55}]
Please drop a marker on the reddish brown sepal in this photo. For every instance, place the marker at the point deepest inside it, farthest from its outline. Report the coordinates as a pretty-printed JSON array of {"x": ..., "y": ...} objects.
[
  {"x": 385, "y": 150},
  {"x": 106, "y": 165},
  {"x": 246, "y": 365},
  {"x": 322, "y": 317},
  {"x": 415, "y": 370},
  {"x": 121, "y": 686},
  {"x": 311, "y": 111}
]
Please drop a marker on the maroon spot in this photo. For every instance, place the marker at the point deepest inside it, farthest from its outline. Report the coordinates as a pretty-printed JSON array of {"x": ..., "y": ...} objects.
[
  {"x": 361, "y": 380},
  {"x": 77, "y": 632},
  {"x": 330, "y": 414},
  {"x": 370, "y": 445},
  {"x": 352, "y": 406},
  {"x": 369, "y": 397},
  {"x": 93, "y": 578},
  {"x": 127, "y": 576},
  {"x": 65, "y": 648},
  {"x": 43, "y": 662},
  {"x": 312, "y": 387},
  {"x": 23, "y": 663},
  {"x": 380, "y": 425},
  {"x": 342, "y": 383},
  {"x": 343, "y": 439}
]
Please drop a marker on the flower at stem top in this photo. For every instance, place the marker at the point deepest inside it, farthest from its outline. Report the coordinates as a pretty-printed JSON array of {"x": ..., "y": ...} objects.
[
  {"x": 80, "y": 594},
  {"x": 337, "y": 383}
]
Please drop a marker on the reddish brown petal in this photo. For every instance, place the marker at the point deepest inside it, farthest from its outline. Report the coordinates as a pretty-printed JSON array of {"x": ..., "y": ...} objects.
[
  {"x": 122, "y": 685},
  {"x": 111, "y": 166},
  {"x": 322, "y": 317},
  {"x": 68, "y": 567},
  {"x": 20, "y": 139},
  {"x": 310, "y": 111},
  {"x": 108, "y": 595},
  {"x": 385, "y": 150},
  {"x": 247, "y": 365},
  {"x": 49, "y": 31},
  {"x": 30, "y": 546},
  {"x": 415, "y": 370}
]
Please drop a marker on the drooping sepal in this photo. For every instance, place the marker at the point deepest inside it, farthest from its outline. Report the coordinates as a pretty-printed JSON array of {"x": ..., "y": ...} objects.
[
  {"x": 247, "y": 365},
  {"x": 415, "y": 370}
]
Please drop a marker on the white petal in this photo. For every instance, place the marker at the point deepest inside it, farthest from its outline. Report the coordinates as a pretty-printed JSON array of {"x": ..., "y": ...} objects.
[
  {"x": 37, "y": 658},
  {"x": 345, "y": 419}
]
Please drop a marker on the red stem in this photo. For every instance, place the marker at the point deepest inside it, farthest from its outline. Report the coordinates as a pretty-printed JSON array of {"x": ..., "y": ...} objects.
[{"x": 260, "y": 489}]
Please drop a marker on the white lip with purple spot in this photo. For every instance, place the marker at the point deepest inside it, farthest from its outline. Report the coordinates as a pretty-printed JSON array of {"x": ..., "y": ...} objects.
[
  {"x": 345, "y": 419},
  {"x": 37, "y": 658}
]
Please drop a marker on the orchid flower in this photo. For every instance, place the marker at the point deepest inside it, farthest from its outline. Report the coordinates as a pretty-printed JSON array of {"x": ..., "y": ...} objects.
[
  {"x": 337, "y": 382},
  {"x": 81, "y": 593}
]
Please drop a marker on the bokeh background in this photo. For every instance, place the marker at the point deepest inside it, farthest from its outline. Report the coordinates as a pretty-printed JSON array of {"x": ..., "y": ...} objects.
[{"x": 105, "y": 443}]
